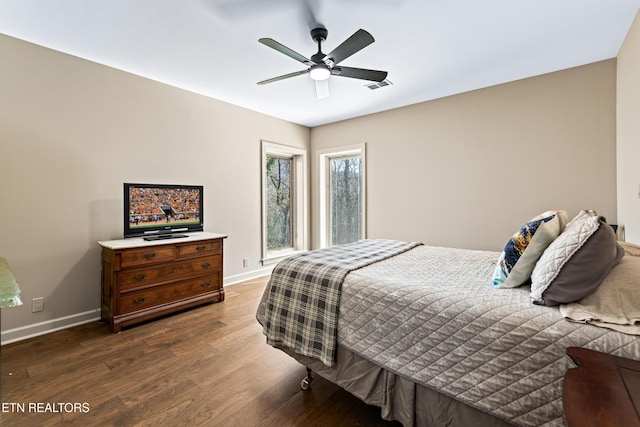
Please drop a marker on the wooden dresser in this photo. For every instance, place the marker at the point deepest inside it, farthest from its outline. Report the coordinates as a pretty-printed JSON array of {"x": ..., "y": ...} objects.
[{"x": 142, "y": 280}]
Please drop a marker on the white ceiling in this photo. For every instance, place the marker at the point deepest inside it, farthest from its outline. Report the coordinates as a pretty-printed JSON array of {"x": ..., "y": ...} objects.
[{"x": 431, "y": 48}]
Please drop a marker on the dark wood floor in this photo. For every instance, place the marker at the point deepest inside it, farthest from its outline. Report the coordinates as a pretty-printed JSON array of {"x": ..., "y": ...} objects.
[{"x": 204, "y": 367}]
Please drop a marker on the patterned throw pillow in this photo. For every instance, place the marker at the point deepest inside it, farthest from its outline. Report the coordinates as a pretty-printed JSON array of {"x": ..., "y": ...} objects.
[{"x": 524, "y": 249}]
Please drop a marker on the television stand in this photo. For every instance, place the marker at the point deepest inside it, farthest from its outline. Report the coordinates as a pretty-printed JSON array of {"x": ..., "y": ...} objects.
[
  {"x": 163, "y": 237},
  {"x": 144, "y": 280}
]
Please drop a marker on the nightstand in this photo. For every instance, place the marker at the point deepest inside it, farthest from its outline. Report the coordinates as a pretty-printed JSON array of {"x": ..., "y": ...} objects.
[{"x": 603, "y": 391}]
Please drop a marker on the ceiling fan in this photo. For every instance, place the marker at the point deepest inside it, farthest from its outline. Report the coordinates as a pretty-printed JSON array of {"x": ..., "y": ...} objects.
[{"x": 321, "y": 66}]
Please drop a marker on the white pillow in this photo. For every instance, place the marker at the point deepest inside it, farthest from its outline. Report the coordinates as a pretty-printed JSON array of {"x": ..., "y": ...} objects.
[{"x": 616, "y": 302}]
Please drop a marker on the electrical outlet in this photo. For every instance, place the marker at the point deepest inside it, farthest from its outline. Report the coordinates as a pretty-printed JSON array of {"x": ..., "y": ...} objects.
[
  {"x": 37, "y": 304},
  {"x": 245, "y": 262}
]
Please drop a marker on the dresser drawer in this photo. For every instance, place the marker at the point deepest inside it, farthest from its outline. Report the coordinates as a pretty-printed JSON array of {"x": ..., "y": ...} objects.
[
  {"x": 199, "y": 248},
  {"x": 149, "y": 255},
  {"x": 148, "y": 276},
  {"x": 150, "y": 297}
]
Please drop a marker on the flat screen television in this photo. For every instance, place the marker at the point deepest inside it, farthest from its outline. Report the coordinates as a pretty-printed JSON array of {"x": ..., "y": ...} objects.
[{"x": 162, "y": 211}]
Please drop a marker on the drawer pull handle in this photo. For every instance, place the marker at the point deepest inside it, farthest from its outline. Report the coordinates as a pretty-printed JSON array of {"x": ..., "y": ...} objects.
[
  {"x": 139, "y": 300},
  {"x": 150, "y": 255},
  {"x": 206, "y": 264},
  {"x": 205, "y": 284},
  {"x": 200, "y": 248},
  {"x": 139, "y": 277}
]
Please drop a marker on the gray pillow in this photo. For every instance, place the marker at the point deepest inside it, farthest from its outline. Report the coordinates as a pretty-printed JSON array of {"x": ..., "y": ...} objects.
[{"x": 579, "y": 260}]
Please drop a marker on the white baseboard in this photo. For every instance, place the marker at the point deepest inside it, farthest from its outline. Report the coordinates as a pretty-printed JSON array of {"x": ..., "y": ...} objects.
[
  {"x": 25, "y": 332},
  {"x": 42, "y": 328},
  {"x": 238, "y": 278}
]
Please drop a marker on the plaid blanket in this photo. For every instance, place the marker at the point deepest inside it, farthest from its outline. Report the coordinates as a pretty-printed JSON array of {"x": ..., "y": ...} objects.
[{"x": 303, "y": 295}]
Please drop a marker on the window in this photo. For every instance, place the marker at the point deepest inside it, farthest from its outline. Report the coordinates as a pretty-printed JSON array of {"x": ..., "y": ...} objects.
[
  {"x": 284, "y": 201},
  {"x": 342, "y": 195}
]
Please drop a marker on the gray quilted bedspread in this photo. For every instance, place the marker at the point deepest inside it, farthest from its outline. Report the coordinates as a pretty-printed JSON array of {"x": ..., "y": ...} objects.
[{"x": 431, "y": 315}]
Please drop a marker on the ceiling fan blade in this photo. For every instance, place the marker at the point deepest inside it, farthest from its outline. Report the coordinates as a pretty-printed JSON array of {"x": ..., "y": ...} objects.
[
  {"x": 285, "y": 76},
  {"x": 360, "y": 73},
  {"x": 358, "y": 40},
  {"x": 309, "y": 8},
  {"x": 322, "y": 88},
  {"x": 283, "y": 49}
]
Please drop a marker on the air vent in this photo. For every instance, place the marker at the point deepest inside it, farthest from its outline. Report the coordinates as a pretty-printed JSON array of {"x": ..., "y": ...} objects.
[{"x": 378, "y": 85}]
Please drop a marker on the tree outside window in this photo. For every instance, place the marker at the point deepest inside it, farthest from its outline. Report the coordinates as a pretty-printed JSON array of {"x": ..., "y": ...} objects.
[
  {"x": 279, "y": 202},
  {"x": 345, "y": 200}
]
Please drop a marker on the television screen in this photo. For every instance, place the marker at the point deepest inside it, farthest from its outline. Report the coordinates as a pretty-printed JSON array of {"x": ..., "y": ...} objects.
[{"x": 162, "y": 209}]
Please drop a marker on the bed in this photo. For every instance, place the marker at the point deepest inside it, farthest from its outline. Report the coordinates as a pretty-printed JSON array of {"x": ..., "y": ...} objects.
[{"x": 421, "y": 332}]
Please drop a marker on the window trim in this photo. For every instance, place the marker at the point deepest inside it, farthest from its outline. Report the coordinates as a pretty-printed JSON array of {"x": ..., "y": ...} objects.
[
  {"x": 299, "y": 194},
  {"x": 324, "y": 157}
]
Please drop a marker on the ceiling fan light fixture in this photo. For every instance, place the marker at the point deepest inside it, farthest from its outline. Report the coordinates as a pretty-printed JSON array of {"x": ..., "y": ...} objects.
[{"x": 319, "y": 72}]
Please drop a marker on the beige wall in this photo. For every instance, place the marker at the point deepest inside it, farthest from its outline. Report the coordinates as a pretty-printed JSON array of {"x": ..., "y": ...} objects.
[
  {"x": 72, "y": 131},
  {"x": 628, "y": 129},
  {"x": 468, "y": 170}
]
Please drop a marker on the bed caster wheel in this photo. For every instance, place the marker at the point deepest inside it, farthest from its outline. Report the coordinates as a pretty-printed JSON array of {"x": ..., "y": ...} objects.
[{"x": 305, "y": 384}]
